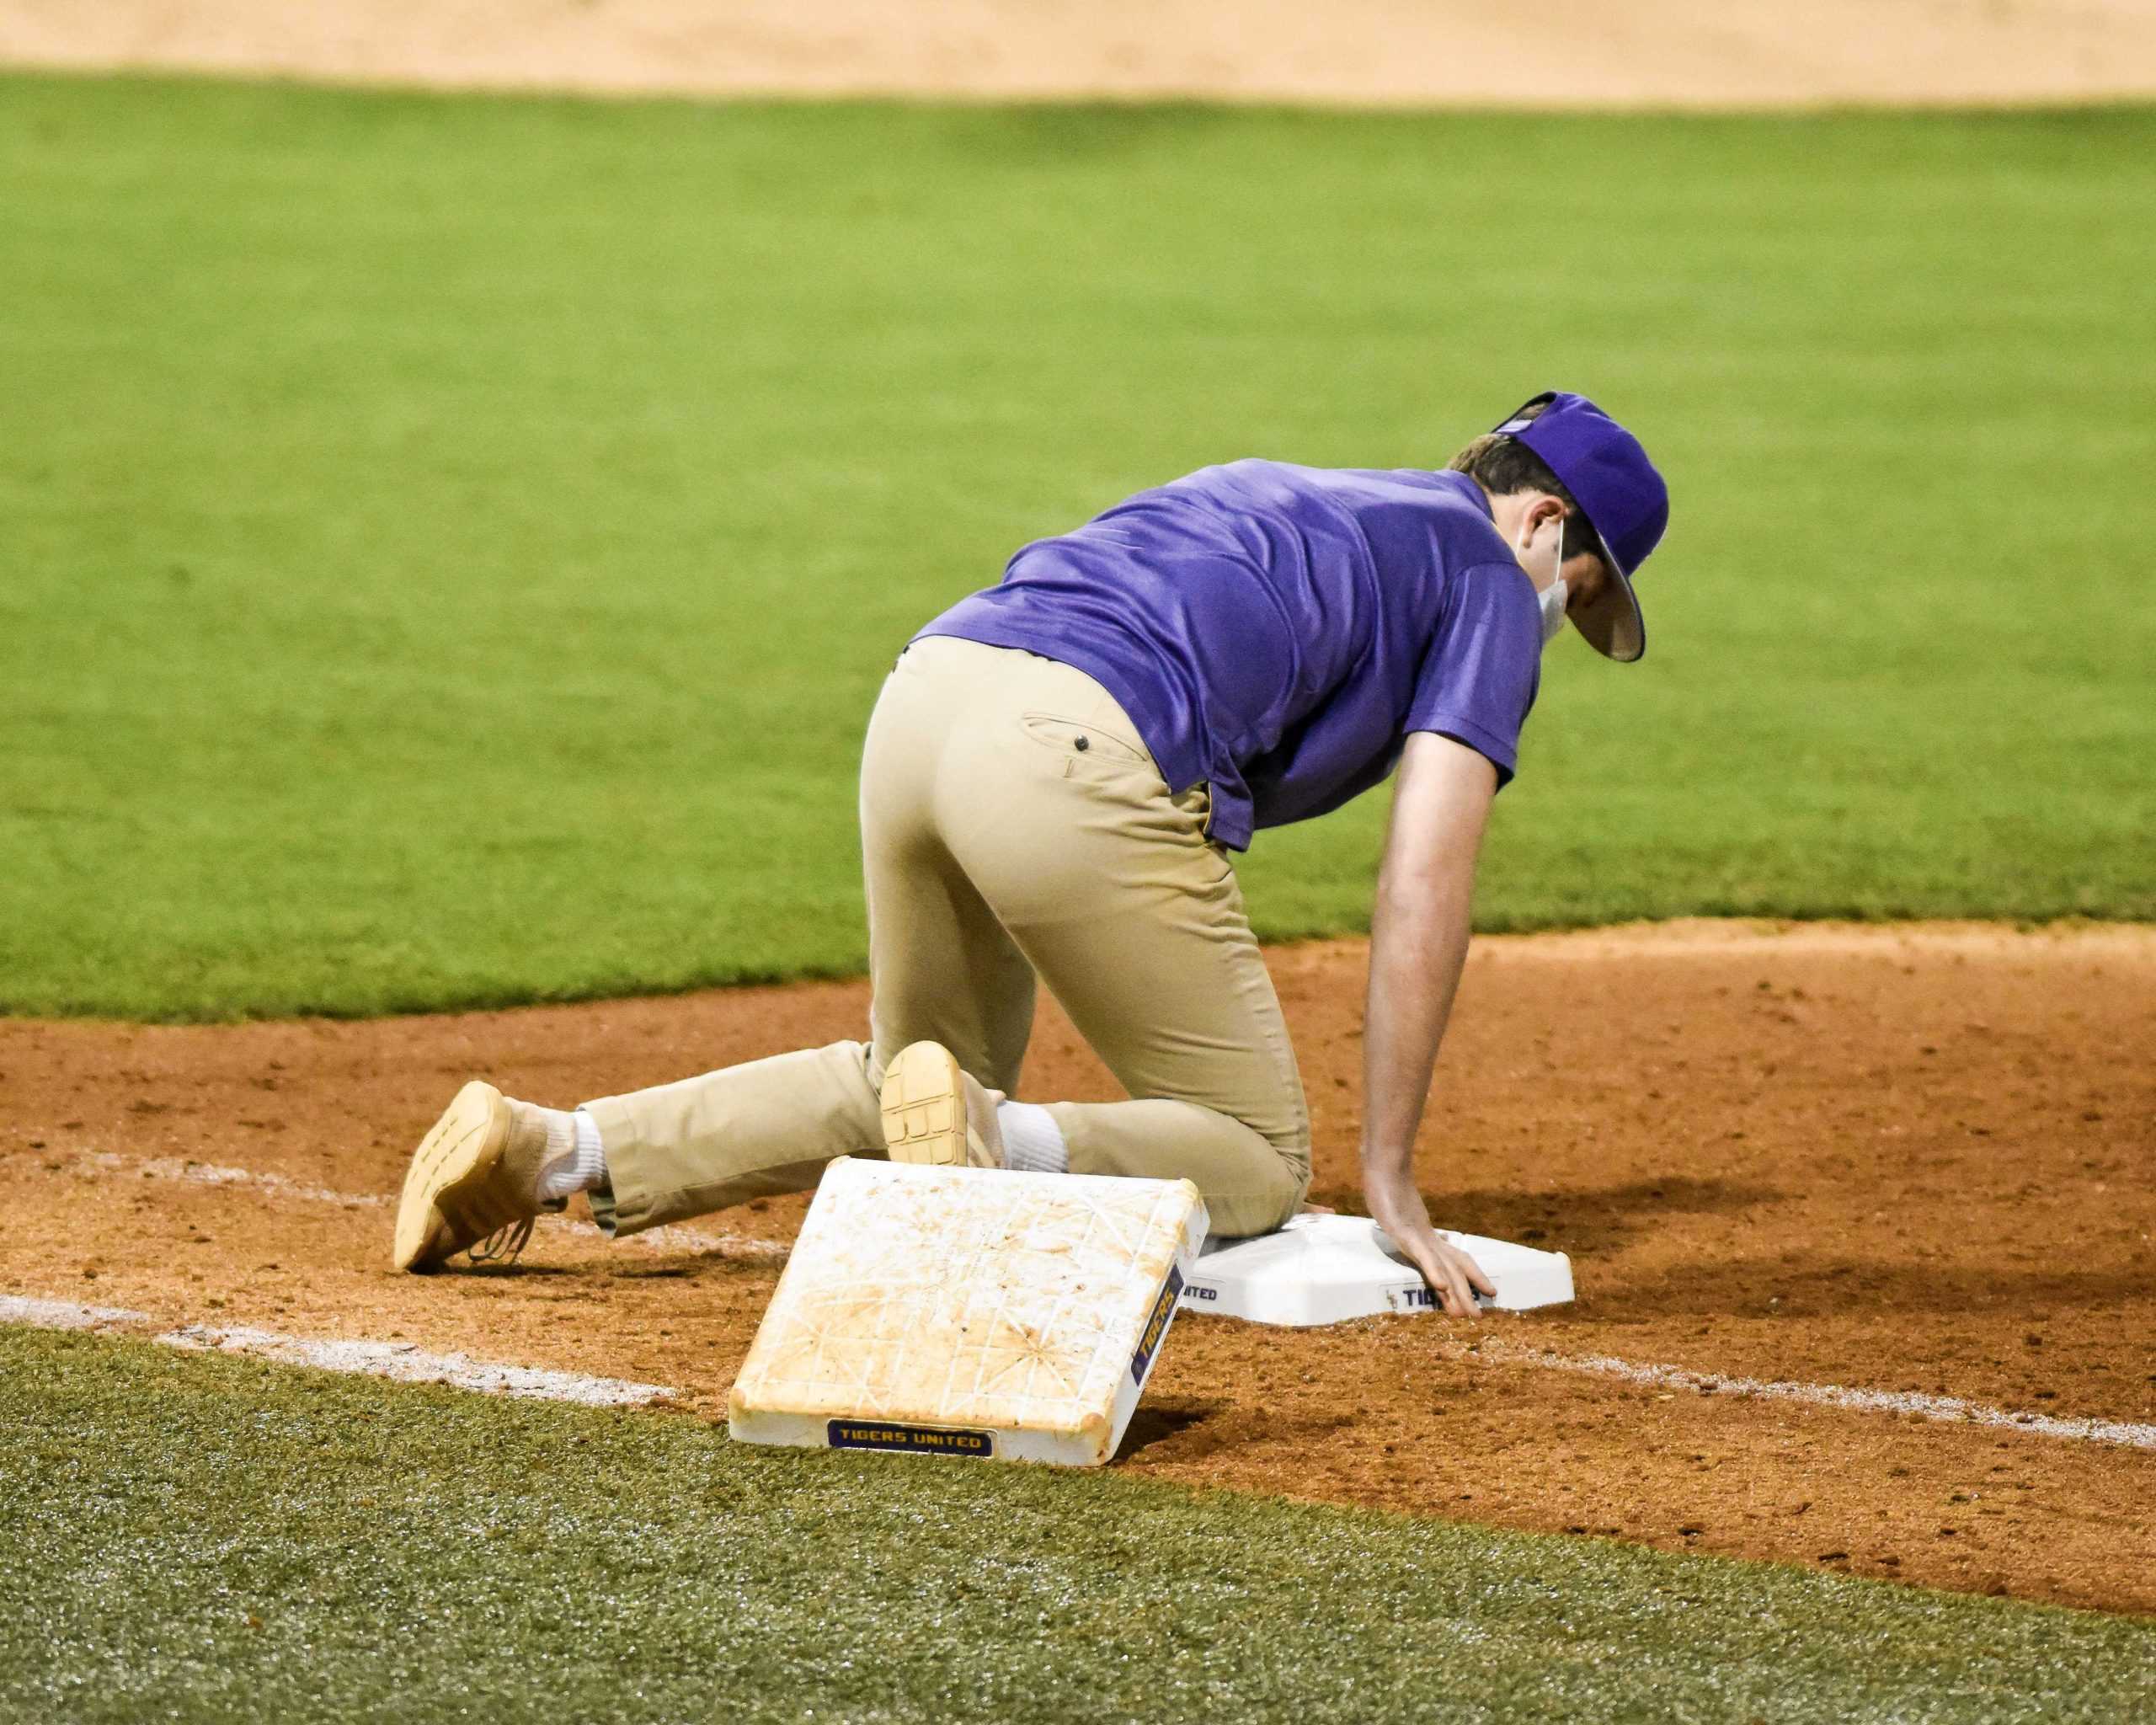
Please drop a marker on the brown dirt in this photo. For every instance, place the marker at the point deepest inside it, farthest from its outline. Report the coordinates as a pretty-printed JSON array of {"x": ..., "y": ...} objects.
[
  {"x": 1909, "y": 1158},
  {"x": 1560, "y": 53}
]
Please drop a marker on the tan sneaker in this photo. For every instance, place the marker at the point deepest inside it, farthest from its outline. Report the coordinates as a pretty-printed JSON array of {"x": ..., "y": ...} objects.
[
  {"x": 472, "y": 1182},
  {"x": 935, "y": 1115}
]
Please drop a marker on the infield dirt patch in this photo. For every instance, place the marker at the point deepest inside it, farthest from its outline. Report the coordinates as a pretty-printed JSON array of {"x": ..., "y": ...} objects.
[
  {"x": 1908, "y": 1159},
  {"x": 1559, "y": 54}
]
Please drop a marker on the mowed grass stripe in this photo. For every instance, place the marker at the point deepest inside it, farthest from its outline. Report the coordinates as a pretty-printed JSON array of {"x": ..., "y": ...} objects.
[
  {"x": 449, "y": 546},
  {"x": 208, "y": 1539}
]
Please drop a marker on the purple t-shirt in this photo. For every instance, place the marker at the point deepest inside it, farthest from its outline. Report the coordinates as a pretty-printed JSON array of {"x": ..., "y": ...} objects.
[{"x": 1276, "y": 631}]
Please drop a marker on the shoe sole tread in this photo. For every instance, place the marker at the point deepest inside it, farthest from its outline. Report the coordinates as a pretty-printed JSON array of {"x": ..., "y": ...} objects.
[
  {"x": 924, "y": 1106},
  {"x": 476, "y": 1120}
]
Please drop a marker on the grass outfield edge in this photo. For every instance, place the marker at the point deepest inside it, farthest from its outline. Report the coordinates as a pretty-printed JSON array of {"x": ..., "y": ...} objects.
[
  {"x": 764, "y": 388},
  {"x": 218, "y": 1538},
  {"x": 2065, "y": 924},
  {"x": 141, "y": 73}
]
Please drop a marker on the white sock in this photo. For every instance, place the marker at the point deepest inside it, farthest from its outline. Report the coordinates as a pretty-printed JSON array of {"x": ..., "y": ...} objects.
[
  {"x": 576, "y": 1159},
  {"x": 1033, "y": 1143}
]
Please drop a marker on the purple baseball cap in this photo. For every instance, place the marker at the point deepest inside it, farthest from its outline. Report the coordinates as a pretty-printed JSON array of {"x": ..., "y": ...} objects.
[{"x": 1618, "y": 491}]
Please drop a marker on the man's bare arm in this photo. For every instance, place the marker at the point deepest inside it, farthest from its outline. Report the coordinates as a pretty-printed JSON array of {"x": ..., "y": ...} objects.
[{"x": 1419, "y": 928}]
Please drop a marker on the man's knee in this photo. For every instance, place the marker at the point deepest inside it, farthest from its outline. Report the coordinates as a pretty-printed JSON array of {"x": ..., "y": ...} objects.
[{"x": 1259, "y": 1208}]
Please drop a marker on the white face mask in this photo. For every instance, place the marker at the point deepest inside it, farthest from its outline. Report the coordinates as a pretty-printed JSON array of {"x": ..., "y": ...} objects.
[
  {"x": 1552, "y": 597},
  {"x": 1553, "y": 610}
]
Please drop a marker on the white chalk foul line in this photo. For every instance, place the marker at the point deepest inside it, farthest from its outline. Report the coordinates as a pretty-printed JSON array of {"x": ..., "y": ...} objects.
[
  {"x": 166, "y": 1168},
  {"x": 404, "y": 1362},
  {"x": 64, "y": 1314},
  {"x": 1949, "y": 1409},
  {"x": 666, "y": 1237},
  {"x": 671, "y": 1237}
]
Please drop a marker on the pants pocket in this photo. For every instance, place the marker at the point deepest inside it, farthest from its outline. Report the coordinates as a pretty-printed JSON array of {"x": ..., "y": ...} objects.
[{"x": 1083, "y": 739}]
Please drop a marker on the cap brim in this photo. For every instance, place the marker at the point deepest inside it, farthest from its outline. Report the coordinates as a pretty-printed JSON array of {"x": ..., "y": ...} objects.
[{"x": 1613, "y": 625}]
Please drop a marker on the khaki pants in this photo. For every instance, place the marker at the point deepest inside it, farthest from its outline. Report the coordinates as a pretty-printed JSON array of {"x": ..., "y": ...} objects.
[{"x": 1013, "y": 826}]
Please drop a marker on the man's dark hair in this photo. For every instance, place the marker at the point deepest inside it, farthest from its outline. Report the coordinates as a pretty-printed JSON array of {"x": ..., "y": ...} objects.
[{"x": 1503, "y": 465}]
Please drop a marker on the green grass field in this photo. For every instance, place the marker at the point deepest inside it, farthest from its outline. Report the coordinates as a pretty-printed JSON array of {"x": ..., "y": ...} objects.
[
  {"x": 448, "y": 547},
  {"x": 281, "y": 1544},
  {"x": 448, "y": 550}
]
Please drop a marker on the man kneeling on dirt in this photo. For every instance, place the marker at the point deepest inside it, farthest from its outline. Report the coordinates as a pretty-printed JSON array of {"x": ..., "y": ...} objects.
[{"x": 1055, "y": 774}]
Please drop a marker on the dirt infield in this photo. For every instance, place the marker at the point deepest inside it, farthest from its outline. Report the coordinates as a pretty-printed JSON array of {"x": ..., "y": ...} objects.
[
  {"x": 1909, "y": 1159},
  {"x": 1559, "y": 54}
]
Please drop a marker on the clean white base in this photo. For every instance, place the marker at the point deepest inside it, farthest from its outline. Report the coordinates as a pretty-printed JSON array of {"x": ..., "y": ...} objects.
[{"x": 1322, "y": 1269}]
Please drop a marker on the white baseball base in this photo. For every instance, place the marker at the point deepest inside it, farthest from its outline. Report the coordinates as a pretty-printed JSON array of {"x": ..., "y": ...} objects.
[
  {"x": 1324, "y": 1270},
  {"x": 969, "y": 1311}
]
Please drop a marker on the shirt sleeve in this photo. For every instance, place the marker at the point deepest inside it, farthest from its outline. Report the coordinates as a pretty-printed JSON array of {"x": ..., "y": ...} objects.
[{"x": 1484, "y": 664}]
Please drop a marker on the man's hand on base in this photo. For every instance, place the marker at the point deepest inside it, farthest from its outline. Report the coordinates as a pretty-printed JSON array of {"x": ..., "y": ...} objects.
[{"x": 1453, "y": 1277}]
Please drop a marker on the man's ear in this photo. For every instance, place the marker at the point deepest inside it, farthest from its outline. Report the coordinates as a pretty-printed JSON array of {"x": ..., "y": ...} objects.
[{"x": 1539, "y": 513}]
